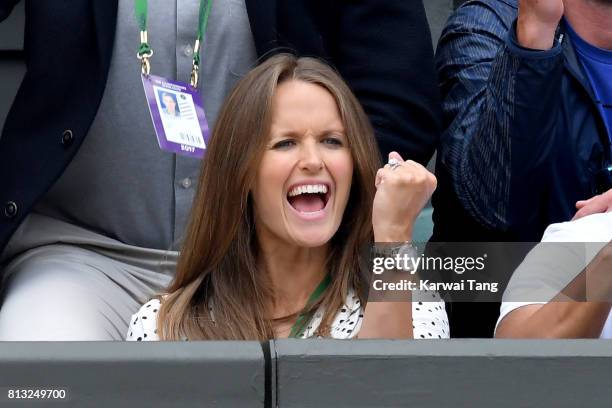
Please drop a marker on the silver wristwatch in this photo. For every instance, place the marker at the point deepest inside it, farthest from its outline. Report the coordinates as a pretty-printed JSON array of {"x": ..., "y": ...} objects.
[{"x": 405, "y": 250}]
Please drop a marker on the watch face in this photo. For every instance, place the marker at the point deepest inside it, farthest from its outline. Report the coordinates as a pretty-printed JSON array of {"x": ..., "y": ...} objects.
[{"x": 408, "y": 251}]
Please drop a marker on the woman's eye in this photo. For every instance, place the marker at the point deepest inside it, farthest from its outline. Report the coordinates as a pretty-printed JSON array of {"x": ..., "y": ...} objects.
[
  {"x": 283, "y": 144},
  {"x": 333, "y": 140}
]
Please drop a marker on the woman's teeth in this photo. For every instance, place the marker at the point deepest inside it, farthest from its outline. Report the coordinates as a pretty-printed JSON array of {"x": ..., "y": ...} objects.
[{"x": 308, "y": 189}]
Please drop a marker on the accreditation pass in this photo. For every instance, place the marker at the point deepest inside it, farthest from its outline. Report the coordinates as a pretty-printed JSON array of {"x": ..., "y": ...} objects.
[{"x": 178, "y": 116}]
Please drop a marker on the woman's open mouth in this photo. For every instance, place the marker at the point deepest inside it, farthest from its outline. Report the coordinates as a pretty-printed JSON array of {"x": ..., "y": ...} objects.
[{"x": 309, "y": 199}]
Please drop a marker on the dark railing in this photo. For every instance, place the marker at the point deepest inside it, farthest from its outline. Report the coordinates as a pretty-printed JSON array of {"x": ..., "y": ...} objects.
[{"x": 313, "y": 373}]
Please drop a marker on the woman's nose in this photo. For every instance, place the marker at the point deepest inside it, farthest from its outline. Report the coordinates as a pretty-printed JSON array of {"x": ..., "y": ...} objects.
[{"x": 311, "y": 158}]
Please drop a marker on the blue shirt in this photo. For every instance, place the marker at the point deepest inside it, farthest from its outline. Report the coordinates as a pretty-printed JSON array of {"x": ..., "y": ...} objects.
[{"x": 597, "y": 64}]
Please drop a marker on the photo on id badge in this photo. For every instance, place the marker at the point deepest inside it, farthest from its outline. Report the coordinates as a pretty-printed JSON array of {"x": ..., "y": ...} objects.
[{"x": 178, "y": 116}]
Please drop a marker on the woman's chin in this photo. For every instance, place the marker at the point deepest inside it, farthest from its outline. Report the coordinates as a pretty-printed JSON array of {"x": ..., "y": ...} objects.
[{"x": 312, "y": 239}]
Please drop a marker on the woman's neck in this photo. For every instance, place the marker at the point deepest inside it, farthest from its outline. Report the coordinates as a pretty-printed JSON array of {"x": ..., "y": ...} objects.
[{"x": 294, "y": 273}]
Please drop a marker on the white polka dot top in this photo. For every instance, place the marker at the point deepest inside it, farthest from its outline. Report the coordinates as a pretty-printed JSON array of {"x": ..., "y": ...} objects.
[{"x": 429, "y": 321}]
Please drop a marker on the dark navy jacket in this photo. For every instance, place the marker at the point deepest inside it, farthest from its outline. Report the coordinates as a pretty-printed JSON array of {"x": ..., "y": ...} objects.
[
  {"x": 383, "y": 50},
  {"x": 524, "y": 139}
]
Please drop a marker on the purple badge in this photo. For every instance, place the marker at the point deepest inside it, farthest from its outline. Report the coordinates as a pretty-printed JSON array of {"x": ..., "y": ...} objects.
[{"x": 178, "y": 116}]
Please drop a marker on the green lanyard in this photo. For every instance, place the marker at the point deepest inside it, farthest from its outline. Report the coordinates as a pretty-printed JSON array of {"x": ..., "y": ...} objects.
[
  {"x": 145, "y": 52},
  {"x": 298, "y": 327}
]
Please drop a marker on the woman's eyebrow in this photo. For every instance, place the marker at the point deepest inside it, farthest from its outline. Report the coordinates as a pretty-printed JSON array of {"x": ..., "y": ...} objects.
[
  {"x": 334, "y": 130},
  {"x": 296, "y": 133},
  {"x": 286, "y": 133}
]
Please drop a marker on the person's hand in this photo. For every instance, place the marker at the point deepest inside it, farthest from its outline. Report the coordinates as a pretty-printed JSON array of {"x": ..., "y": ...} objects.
[
  {"x": 401, "y": 194},
  {"x": 537, "y": 23},
  {"x": 599, "y": 204}
]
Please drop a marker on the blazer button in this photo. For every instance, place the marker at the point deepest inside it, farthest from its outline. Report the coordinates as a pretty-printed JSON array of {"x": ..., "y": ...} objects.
[
  {"x": 67, "y": 137},
  {"x": 10, "y": 209}
]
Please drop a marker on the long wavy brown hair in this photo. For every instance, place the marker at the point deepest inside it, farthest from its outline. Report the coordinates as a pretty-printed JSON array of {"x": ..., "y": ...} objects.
[{"x": 218, "y": 291}]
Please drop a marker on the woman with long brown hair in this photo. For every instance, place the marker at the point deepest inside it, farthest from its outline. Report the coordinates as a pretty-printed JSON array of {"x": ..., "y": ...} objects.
[{"x": 290, "y": 199}]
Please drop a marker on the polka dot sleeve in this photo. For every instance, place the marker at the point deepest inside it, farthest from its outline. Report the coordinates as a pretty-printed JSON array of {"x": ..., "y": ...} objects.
[
  {"x": 143, "y": 325},
  {"x": 348, "y": 321},
  {"x": 429, "y": 319}
]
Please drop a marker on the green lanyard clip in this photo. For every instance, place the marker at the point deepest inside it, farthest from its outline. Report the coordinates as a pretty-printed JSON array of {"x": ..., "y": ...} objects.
[{"x": 145, "y": 52}]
